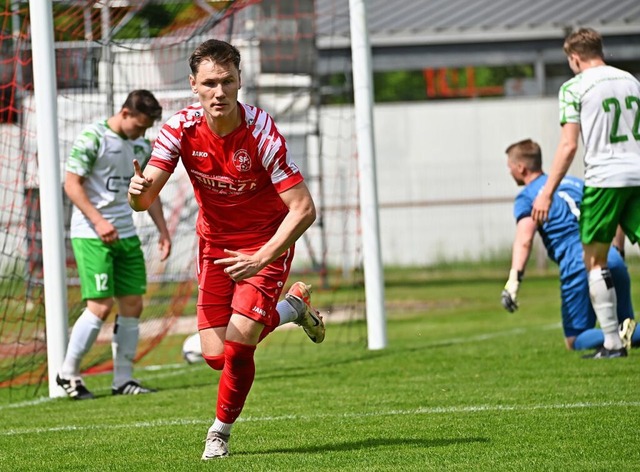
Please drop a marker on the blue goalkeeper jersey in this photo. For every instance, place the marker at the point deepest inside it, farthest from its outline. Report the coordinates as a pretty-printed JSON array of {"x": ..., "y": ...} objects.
[{"x": 561, "y": 232}]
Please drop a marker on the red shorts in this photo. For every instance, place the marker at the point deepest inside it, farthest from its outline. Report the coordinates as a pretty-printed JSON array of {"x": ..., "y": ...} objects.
[{"x": 256, "y": 297}]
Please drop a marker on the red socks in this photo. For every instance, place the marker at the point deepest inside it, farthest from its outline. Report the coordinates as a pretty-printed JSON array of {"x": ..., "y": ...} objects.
[
  {"x": 215, "y": 362},
  {"x": 236, "y": 380}
]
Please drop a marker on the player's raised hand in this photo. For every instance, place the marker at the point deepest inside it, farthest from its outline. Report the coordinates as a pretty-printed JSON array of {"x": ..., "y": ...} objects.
[{"x": 139, "y": 183}]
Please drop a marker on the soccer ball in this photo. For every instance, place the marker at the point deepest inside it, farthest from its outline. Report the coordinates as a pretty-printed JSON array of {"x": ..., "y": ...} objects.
[{"x": 192, "y": 350}]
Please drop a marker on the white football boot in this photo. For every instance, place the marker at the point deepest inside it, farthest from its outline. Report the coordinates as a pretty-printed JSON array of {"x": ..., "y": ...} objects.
[{"x": 216, "y": 446}]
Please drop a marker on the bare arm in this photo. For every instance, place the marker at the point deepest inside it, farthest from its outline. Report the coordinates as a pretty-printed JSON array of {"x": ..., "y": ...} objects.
[
  {"x": 145, "y": 187},
  {"x": 76, "y": 193},
  {"x": 522, "y": 244},
  {"x": 164, "y": 238},
  {"x": 302, "y": 213},
  {"x": 562, "y": 160},
  {"x": 525, "y": 231}
]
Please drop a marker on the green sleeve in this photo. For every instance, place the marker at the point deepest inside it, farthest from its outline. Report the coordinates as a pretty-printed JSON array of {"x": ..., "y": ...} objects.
[{"x": 84, "y": 152}]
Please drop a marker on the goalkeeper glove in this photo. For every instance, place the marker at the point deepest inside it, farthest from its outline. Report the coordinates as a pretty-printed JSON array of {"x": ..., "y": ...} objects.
[{"x": 510, "y": 291}]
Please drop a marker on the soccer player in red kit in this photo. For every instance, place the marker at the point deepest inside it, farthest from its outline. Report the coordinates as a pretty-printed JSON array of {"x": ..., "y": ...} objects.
[{"x": 254, "y": 205}]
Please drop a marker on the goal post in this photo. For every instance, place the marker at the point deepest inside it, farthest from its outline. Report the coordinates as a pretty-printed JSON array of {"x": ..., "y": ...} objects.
[
  {"x": 363, "y": 97},
  {"x": 51, "y": 214}
]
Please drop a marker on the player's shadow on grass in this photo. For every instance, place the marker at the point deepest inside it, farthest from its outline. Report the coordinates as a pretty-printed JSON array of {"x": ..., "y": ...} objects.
[{"x": 372, "y": 443}]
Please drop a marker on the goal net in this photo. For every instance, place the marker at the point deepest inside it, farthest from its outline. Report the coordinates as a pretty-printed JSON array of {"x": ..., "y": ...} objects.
[{"x": 105, "y": 49}]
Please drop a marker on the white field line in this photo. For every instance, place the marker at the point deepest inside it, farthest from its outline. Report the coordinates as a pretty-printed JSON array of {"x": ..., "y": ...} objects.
[
  {"x": 317, "y": 418},
  {"x": 177, "y": 368}
]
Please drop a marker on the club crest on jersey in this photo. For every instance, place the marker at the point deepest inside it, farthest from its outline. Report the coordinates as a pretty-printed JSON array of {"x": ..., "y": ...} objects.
[
  {"x": 242, "y": 160},
  {"x": 140, "y": 151}
]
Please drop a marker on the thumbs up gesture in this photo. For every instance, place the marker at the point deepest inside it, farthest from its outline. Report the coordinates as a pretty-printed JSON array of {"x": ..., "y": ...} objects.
[{"x": 139, "y": 183}]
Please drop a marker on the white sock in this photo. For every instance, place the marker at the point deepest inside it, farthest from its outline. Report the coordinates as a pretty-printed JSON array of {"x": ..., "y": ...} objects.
[
  {"x": 604, "y": 301},
  {"x": 83, "y": 335},
  {"x": 287, "y": 312},
  {"x": 124, "y": 345},
  {"x": 220, "y": 427}
]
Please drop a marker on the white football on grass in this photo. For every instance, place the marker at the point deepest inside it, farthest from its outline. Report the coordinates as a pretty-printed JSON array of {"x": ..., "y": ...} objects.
[{"x": 192, "y": 350}]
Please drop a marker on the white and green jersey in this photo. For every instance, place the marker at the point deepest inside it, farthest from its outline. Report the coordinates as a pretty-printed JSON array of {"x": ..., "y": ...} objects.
[
  {"x": 105, "y": 160},
  {"x": 605, "y": 102}
]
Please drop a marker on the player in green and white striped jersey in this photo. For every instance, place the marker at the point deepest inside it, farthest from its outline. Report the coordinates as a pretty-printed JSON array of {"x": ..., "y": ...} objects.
[
  {"x": 602, "y": 103},
  {"x": 105, "y": 244}
]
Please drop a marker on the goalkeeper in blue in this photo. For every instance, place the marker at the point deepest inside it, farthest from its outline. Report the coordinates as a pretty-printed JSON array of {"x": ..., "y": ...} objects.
[{"x": 561, "y": 237}]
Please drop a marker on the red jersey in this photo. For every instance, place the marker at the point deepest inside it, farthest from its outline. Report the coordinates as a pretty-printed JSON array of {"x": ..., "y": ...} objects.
[{"x": 236, "y": 178}]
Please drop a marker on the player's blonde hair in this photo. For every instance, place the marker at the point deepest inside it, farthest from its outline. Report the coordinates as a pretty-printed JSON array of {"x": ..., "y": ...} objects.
[
  {"x": 528, "y": 152},
  {"x": 585, "y": 42}
]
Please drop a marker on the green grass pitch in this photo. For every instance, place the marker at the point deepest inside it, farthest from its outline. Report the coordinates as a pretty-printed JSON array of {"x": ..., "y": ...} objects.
[{"x": 462, "y": 385}]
